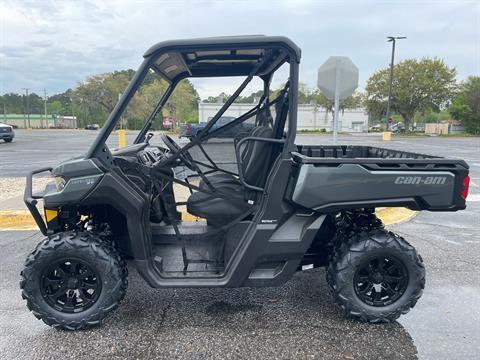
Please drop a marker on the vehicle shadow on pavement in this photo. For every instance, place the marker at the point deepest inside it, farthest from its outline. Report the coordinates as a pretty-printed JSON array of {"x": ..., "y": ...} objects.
[{"x": 297, "y": 320}]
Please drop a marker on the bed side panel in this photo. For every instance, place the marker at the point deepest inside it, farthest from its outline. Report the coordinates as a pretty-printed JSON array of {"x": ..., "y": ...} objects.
[{"x": 353, "y": 185}]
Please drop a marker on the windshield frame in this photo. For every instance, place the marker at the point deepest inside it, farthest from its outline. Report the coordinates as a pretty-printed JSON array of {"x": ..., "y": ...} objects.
[{"x": 149, "y": 122}]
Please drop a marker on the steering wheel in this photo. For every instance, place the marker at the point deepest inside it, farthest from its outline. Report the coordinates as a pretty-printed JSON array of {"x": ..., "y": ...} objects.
[{"x": 176, "y": 149}]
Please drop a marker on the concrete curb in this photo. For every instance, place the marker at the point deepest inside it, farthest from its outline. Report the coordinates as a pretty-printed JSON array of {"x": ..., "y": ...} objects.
[{"x": 22, "y": 220}]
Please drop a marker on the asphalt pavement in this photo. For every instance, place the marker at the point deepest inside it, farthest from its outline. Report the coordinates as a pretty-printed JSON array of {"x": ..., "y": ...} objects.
[{"x": 297, "y": 320}]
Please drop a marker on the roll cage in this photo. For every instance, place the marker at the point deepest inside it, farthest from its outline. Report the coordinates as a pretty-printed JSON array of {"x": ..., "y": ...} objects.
[{"x": 174, "y": 61}]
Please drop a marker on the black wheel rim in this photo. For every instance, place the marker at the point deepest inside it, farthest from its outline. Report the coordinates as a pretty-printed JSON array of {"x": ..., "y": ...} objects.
[
  {"x": 381, "y": 280},
  {"x": 70, "y": 286}
]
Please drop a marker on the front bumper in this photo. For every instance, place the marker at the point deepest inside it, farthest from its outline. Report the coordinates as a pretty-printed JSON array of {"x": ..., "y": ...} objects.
[
  {"x": 31, "y": 200},
  {"x": 7, "y": 135}
]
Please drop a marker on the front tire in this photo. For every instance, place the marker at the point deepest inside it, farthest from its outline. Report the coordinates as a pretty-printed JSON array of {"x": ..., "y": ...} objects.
[
  {"x": 376, "y": 276},
  {"x": 73, "y": 280},
  {"x": 8, "y": 140}
]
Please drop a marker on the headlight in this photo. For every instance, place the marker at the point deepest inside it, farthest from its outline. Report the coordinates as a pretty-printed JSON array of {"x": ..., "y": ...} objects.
[{"x": 60, "y": 183}]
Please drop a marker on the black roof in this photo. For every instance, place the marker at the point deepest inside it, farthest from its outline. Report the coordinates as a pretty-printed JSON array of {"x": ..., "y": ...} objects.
[{"x": 221, "y": 56}]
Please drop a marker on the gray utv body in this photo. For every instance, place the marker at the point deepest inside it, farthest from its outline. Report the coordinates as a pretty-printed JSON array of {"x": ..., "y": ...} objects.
[{"x": 264, "y": 221}]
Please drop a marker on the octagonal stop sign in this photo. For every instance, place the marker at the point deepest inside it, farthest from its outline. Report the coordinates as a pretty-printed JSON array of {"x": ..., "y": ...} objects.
[{"x": 347, "y": 73}]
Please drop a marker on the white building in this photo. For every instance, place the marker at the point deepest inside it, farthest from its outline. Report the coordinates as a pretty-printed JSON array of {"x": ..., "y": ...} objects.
[{"x": 310, "y": 117}]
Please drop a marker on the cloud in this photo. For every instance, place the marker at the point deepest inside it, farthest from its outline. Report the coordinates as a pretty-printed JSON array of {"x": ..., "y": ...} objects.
[{"x": 54, "y": 44}]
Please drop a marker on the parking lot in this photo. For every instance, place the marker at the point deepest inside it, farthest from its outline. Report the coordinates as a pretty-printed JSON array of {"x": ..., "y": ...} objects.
[{"x": 297, "y": 320}]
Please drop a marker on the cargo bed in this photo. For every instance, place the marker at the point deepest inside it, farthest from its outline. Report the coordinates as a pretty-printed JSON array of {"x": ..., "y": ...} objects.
[{"x": 333, "y": 178}]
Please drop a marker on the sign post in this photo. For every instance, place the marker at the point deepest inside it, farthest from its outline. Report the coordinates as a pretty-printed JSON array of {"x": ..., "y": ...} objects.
[
  {"x": 337, "y": 79},
  {"x": 338, "y": 75}
]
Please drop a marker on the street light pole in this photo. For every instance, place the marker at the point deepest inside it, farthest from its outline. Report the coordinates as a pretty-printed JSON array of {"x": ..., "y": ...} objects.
[{"x": 391, "y": 39}]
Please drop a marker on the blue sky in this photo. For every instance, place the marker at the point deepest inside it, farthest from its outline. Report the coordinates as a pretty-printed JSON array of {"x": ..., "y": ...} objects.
[{"x": 54, "y": 44}]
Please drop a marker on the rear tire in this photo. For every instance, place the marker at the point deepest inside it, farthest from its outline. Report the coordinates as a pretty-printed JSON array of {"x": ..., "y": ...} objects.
[
  {"x": 73, "y": 280},
  {"x": 376, "y": 276}
]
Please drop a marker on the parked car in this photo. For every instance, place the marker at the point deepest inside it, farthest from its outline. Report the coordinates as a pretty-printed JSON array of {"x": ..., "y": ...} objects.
[
  {"x": 92, "y": 127},
  {"x": 6, "y": 132},
  {"x": 375, "y": 128},
  {"x": 191, "y": 130}
]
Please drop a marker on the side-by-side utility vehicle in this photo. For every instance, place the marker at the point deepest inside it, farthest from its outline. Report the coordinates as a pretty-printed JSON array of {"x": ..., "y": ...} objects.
[{"x": 247, "y": 210}]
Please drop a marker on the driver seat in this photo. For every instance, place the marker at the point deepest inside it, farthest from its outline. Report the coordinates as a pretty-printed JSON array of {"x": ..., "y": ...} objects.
[{"x": 219, "y": 210}]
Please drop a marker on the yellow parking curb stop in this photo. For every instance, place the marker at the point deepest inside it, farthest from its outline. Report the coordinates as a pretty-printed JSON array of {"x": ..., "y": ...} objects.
[
  {"x": 390, "y": 216},
  {"x": 16, "y": 220},
  {"x": 387, "y": 136}
]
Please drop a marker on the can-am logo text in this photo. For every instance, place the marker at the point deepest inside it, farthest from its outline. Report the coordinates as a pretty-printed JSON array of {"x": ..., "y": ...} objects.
[{"x": 425, "y": 180}]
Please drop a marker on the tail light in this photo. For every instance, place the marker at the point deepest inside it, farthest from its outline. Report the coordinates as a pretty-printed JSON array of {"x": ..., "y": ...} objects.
[{"x": 466, "y": 184}]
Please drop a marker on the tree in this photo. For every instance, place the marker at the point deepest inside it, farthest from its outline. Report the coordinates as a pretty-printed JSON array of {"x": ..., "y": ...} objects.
[
  {"x": 305, "y": 93},
  {"x": 65, "y": 99},
  {"x": 55, "y": 107},
  {"x": 98, "y": 95},
  {"x": 466, "y": 105},
  {"x": 418, "y": 85},
  {"x": 184, "y": 102},
  {"x": 14, "y": 103},
  {"x": 354, "y": 101},
  {"x": 221, "y": 98},
  {"x": 250, "y": 99},
  {"x": 17, "y": 104}
]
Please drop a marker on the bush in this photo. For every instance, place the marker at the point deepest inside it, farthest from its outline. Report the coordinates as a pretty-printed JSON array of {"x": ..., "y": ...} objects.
[{"x": 466, "y": 105}]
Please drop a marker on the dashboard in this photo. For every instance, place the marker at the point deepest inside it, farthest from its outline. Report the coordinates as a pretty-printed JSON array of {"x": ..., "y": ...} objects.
[{"x": 151, "y": 155}]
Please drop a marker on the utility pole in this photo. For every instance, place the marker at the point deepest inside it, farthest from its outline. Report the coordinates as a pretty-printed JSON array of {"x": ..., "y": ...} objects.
[
  {"x": 391, "y": 39},
  {"x": 45, "y": 107},
  {"x": 28, "y": 105}
]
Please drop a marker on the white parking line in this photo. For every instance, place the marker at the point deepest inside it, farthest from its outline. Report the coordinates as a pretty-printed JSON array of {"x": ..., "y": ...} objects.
[{"x": 452, "y": 242}]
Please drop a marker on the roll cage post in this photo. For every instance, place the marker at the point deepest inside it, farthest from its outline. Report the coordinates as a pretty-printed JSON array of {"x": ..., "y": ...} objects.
[{"x": 292, "y": 108}]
